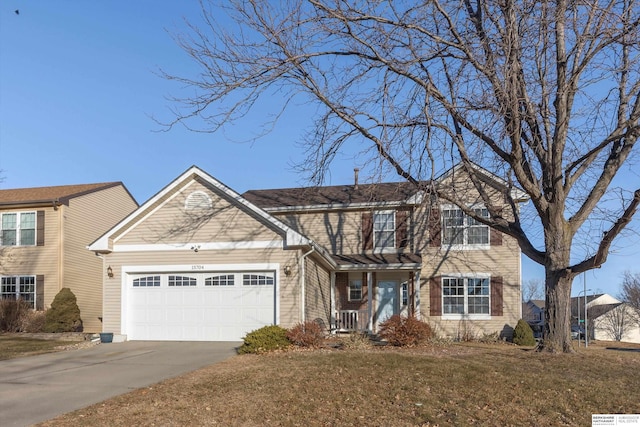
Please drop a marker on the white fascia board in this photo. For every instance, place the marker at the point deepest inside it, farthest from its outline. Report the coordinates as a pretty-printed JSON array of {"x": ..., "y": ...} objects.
[{"x": 293, "y": 238}]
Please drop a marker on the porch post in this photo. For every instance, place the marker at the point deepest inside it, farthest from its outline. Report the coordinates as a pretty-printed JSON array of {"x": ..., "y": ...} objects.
[
  {"x": 370, "y": 301},
  {"x": 332, "y": 301},
  {"x": 416, "y": 296}
]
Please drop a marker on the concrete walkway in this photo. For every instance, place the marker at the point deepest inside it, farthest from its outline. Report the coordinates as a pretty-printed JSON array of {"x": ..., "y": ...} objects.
[{"x": 38, "y": 388}]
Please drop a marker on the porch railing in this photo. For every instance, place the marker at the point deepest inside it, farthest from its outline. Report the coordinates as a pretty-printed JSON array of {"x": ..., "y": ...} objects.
[{"x": 351, "y": 320}]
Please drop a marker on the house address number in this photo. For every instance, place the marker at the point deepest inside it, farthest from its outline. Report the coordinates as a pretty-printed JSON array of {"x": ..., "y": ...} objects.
[{"x": 197, "y": 267}]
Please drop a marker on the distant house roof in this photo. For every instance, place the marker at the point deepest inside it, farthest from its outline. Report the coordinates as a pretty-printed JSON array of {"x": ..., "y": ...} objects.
[
  {"x": 538, "y": 303},
  {"x": 51, "y": 195},
  {"x": 332, "y": 196}
]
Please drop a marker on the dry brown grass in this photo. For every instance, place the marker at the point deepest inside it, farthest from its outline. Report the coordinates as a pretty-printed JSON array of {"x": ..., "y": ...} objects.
[
  {"x": 457, "y": 384},
  {"x": 13, "y": 345}
]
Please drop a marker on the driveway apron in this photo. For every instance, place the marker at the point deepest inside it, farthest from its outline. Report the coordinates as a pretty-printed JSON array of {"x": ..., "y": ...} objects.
[{"x": 38, "y": 388}]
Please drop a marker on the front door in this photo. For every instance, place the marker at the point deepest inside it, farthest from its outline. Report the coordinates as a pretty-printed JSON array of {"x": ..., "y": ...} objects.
[{"x": 387, "y": 297}]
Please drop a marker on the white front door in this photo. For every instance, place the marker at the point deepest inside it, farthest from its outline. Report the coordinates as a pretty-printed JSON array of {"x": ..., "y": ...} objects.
[{"x": 387, "y": 298}]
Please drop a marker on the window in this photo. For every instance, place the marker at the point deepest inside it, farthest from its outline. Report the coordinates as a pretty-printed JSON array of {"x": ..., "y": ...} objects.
[
  {"x": 460, "y": 229},
  {"x": 220, "y": 280},
  {"x": 182, "y": 281},
  {"x": 355, "y": 290},
  {"x": 19, "y": 288},
  {"x": 384, "y": 226},
  {"x": 258, "y": 279},
  {"x": 148, "y": 281},
  {"x": 18, "y": 229},
  {"x": 465, "y": 296},
  {"x": 405, "y": 293}
]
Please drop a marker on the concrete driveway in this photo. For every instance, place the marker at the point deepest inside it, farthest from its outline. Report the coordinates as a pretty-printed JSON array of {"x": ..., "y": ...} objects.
[{"x": 38, "y": 388}]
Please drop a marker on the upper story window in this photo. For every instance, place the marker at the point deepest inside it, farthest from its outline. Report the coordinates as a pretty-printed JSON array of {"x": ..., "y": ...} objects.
[
  {"x": 384, "y": 229},
  {"x": 462, "y": 230},
  {"x": 18, "y": 229}
]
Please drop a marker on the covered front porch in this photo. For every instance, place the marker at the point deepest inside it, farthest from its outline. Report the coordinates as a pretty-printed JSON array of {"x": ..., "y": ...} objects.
[{"x": 368, "y": 289}]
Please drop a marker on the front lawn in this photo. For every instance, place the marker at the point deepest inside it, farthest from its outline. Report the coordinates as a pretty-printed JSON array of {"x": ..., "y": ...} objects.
[
  {"x": 12, "y": 346},
  {"x": 457, "y": 384}
]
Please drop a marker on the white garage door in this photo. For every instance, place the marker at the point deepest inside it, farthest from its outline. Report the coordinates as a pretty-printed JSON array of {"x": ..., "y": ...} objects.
[{"x": 214, "y": 306}]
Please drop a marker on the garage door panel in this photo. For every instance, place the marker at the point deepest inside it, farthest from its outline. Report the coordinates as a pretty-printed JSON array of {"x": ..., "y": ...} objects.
[{"x": 225, "y": 309}]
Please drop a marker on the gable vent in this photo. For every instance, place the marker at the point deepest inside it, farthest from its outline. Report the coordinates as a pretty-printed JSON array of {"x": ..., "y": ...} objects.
[{"x": 198, "y": 200}]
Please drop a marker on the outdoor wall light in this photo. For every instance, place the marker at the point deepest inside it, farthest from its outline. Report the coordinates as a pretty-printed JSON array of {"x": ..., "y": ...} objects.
[
  {"x": 287, "y": 270},
  {"x": 110, "y": 272}
]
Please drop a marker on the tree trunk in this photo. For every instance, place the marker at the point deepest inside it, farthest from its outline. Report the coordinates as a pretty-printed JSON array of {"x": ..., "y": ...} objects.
[{"x": 557, "y": 322}]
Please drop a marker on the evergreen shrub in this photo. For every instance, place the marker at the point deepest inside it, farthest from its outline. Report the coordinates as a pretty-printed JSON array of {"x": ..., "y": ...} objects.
[
  {"x": 265, "y": 339},
  {"x": 523, "y": 334},
  {"x": 64, "y": 314}
]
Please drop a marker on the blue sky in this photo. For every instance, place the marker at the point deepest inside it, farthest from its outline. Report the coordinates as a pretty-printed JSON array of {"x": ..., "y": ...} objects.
[{"x": 78, "y": 88}]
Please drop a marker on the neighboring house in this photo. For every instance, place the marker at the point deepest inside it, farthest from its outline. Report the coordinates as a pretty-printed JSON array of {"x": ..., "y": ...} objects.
[
  {"x": 578, "y": 304},
  {"x": 199, "y": 261},
  {"x": 533, "y": 314},
  {"x": 43, "y": 237},
  {"x": 614, "y": 322}
]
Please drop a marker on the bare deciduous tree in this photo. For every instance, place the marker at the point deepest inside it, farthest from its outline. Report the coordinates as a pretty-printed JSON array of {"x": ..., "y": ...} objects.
[
  {"x": 532, "y": 289},
  {"x": 631, "y": 292},
  {"x": 543, "y": 94},
  {"x": 614, "y": 320}
]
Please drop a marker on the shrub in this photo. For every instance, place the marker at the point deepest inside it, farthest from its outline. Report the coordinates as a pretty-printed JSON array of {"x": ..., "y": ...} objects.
[
  {"x": 64, "y": 314},
  {"x": 523, "y": 334},
  {"x": 356, "y": 341},
  {"x": 11, "y": 314},
  {"x": 405, "y": 331},
  {"x": 33, "y": 321},
  {"x": 265, "y": 339},
  {"x": 307, "y": 334}
]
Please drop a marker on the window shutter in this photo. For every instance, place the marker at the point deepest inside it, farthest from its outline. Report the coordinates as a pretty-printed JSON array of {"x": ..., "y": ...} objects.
[
  {"x": 367, "y": 231},
  {"x": 495, "y": 237},
  {"x": 435, "y": 296},
  {"x": 496, "y": 296},
  {"x": 40, "y": 228},
  {"x": 40, "y": 292},
  {"x": 402, "y": 236},
  {"x": 435, "y": 228}
]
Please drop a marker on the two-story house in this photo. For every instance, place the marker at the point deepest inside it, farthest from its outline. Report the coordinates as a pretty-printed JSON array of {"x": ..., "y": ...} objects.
[
  {"x": 199, "y": 261},
  {"x": 44, "y": 232}
]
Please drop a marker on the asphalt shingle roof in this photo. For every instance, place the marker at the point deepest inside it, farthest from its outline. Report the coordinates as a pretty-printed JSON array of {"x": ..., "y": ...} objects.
[
  {"x": 331, "y": 195},
  {"x": 61, "y": 193}
]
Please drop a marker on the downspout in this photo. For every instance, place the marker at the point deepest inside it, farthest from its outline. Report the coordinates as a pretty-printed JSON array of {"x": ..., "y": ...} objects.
[{"x": 303, "y": 305}]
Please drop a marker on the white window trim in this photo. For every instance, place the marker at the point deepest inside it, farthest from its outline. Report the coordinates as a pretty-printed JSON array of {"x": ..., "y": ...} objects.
[
  {"x": 465, "y": 316},
  {"x": 17, "y": 293},
  {"x": 349, "y": 290},
  {"x": 464, "y": 246},
  {"x": 18, "y": 228},
  {"x": 386, "y": 249}
]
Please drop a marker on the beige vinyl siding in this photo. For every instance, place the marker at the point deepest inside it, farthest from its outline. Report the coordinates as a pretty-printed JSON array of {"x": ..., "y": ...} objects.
[
  {"x": 85, "y": 219},
  {"x": 288, "y": 287},
  {"x": 171, "y": 223},
  {"x": 317, "y": 293},
  {"x": 34, "y": 260},
  {"x": 340, "y": 232},
  {"x": 499, "y": 261}
]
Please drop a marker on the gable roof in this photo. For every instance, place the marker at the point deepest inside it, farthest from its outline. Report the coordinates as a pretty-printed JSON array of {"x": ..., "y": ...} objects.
[
  {"x": 55, "y": 195},
  {"x": 362, "y": 195},
  {"x": 292, "y": 237}
]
